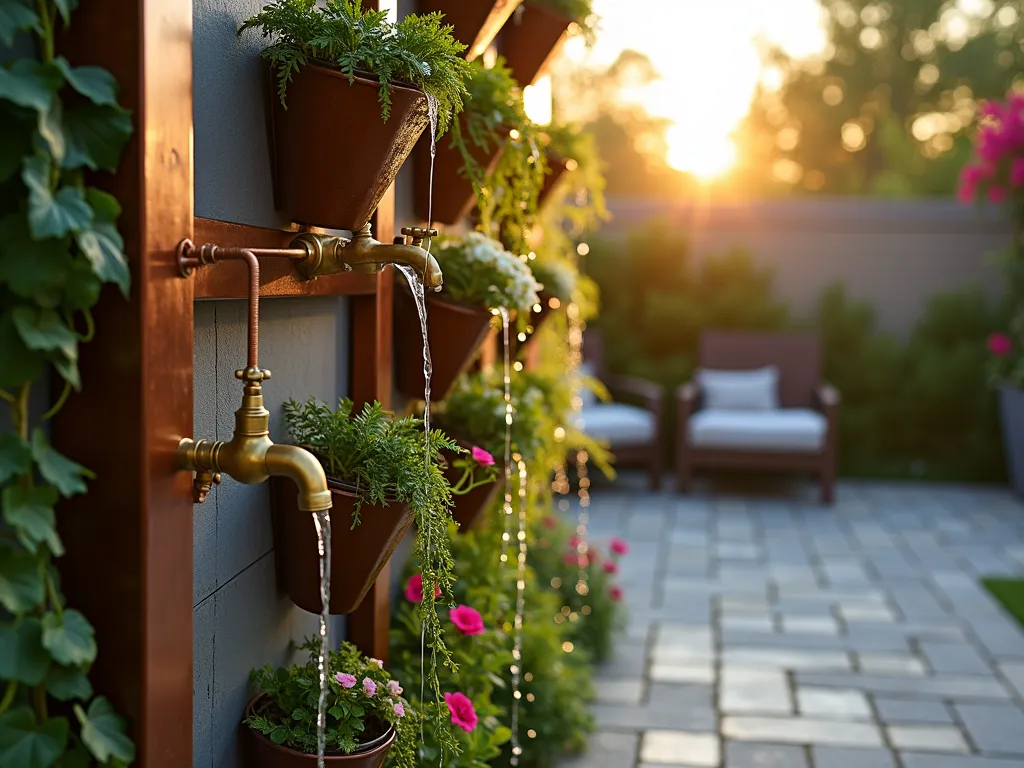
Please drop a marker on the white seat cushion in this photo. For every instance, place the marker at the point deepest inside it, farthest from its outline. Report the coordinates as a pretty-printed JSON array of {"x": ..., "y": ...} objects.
[
  {"x": 753, "y": 390},
  {"x": 617, "y": 423},
  {"x": 784, "y": 429}
]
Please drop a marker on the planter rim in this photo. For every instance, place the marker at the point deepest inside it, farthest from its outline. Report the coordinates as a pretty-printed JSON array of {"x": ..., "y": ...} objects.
[
  {"x": 383, "y": 741},
  {"x": 339, "y": 486},
  {"x": 441, "y": 298},
  {"x": 361, "y": 78}
]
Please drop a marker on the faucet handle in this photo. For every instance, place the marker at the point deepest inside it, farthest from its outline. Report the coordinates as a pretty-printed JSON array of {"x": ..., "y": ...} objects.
[
  {"x": 252, "y": 374},
  {"x": 419, "y": 233}
]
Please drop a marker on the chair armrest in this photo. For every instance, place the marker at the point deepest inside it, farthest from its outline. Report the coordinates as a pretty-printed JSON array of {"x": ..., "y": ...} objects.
[
  {"x": 650, "y": 393},
  {"x": 687, "y": 401}
]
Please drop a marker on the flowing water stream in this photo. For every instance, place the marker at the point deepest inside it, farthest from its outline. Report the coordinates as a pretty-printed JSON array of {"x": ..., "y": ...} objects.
[
  {"x": 322, "y": 523},
  {"x": 507, "y": 381}
]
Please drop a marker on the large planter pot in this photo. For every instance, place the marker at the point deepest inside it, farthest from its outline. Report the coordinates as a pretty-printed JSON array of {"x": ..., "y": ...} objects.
[
  {"x": 531, "y": 39},
  {"x": 333, "y": 156},
  {"x": 455, "y": 334},
  {"x": 467, "y": 508},
  {"x": 358, "y": 553},
  {"x": 266, "y": 754},
  {"x": 453, "y": 191},
  {"x": 475, "y": 22},
  {"x": 1011, "y": 414}
]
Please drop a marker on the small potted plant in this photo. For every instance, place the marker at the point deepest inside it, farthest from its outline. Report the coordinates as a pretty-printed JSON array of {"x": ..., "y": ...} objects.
[
  {"x": 997, "y": 175},
  {"x": 367, "y": 718},
  {"x": 382, "y": 477},
  {"x": 474, "y": 22},
  {"x": 536, "y": 31},
  {"x": 480, "y": 276},
  {"x": 360, "y": 83},
  {"x": 492, "y": 129}
]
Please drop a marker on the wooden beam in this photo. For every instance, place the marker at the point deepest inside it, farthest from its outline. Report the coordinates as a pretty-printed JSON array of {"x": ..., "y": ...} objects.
[{"x": 129, "y": 561}]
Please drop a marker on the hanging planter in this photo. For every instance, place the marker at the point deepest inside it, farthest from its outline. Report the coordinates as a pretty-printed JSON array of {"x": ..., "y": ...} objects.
[
  {"x": 350, "y": 102},
  {"x": 359, "y": 553},
  {"x": 338, "y": 183},
  {"x": 532, "y": 38},
  {"x": 467, "y": 507},
  {"x": 455, "y": 332},
  {"x": 474, "y": 22},
  {"x": 453, "y": 191}
]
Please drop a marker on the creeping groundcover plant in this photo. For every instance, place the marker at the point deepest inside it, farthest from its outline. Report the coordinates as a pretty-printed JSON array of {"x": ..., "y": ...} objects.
[
  {"x": 419, "y": 51},
  {"x": 386, "y": 460},
  {"x": 364, "y": 704}
]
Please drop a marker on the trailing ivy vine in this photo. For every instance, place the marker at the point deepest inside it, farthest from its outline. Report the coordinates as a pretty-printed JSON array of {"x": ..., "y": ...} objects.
[{"x": 58, "y": 244}]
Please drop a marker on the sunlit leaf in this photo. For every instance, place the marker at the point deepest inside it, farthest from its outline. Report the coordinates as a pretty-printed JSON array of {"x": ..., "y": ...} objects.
[
  {"x": 103, "y": 732},
  {"x": 96, "y": 135},
  {"x": 22, "y": 656},
  {"x": 103, "y": 246},
  {"x": 58, "y": 469},
  {"x": 51, "y": 215},
  {"x": 29, "y": 511},
  {"x": 69, "y": 637},
  {"x": 27, "y": 744},
  {"x": 51, "y": 128},
  {"x": 29, "y": 83},
  {"x": 45, "y": 329},
  {"x": 21, "y": 586},
  {"x": 95, "y": 83}
]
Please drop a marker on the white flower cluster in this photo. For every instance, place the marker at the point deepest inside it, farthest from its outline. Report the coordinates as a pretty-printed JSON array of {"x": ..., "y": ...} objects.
[{"x": 482, "y": 267}]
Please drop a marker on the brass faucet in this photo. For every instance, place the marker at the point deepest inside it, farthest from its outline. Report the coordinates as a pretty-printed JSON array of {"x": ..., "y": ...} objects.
[
  {"x": 250, "y": 456},
  {"x": 328, "y": 254}
]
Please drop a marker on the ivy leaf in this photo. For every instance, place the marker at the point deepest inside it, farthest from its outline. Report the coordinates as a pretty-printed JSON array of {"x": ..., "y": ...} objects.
[
  {"x": 16, "y": 16},
  {"x": 29, "y": 511},
  {"x": 78, "y": 757},
  {"x": 68, "y": 370},
  {"x": 69, "y": 638},
  {"x": 22, "y": 656},
  {"x": 82, "y": 289},
  {"x": 103, "y": 732},
  {"x": 21, "y": 586},
  {"x": 280, "y": 734},
  {"x": 105, "y": 206},
  {"x": 21, "y": 364},
  {"x": 95, "y": 83},
  {"x": 44, "y": 329},
  {"x": 14, "y": 456},
  {"x": 104, "y": 248},
  {"x": 52, "y": 215},
  {"x": 34, "y": 269},
  {"x": 29, "y": 83},
  {"x": 66, "y": 683},
  {"x": 66, "y": 7},
  {"x": 57, "y": 469},
  {"x": 51, "y": 129},
  {"x": 96, "y": 135},
  {"x": 28, "y": 744},
  {"x": 15, "y": 140}
]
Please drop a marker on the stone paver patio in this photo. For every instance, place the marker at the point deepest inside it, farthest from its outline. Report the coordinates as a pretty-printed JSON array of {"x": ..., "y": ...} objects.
[{"x": 779, "y": 634}]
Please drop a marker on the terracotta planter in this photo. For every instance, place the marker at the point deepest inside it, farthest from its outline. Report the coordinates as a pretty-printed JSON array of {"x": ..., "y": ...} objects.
[
  {"x": 531, "y": 39},
  {"x": 557, "y": 166},
  {"x": 332, "y": 155},
  {"x": 358, "y": 553},
  {"x": 475, "y": 22},
  {"x": 453, "y": 191},
  {"x": 468, "y": 507},
  {"x": 455, "y": 334},
  {"x": 266, "y": 754}
]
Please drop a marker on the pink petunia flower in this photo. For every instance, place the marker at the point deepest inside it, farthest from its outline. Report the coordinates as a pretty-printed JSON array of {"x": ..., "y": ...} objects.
[
  {"x": 549, "y": 522},
  {"x": 482, "y": 457},
  {"x": 346, "y": 680},
  {"x": 574, "y": 542},
  {"x": 399, "y": 709},
  {"x": 414, "y": 589},
  {"x": 394, "y": 687},
  {"x": 467, "y": 620},
  {"x": 461, "y": 708},
  {"x": 999, "y": 344},
  {"x": 610, "y": 566},
  {"x": 369, "y": 687},
  {"x": 618, "y": 547},
  {"x": 1017, "y": 172},
  {"x": 378, "y": 662},
  {"x": 615, "y": 593}
]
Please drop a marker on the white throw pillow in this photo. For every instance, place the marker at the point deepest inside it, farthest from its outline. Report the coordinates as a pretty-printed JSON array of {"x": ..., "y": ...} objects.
[{"x": 755, "y": 390}]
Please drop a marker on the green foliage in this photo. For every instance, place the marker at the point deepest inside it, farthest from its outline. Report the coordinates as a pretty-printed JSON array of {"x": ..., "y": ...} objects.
[
  {"x": 354, "y": 717},
  {"x": 1009, "y": 592},
  {"x": 58, "y": 244},
  {"x": 388, "y": 460},
  {"x": 557, "y": 277},
  {"x": 479, "y": 272},
  {"x": 419, "y": 51}
]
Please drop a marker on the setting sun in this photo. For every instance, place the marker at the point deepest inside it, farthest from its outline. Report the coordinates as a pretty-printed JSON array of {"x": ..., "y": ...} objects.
[{"x": 706, "y": 157}]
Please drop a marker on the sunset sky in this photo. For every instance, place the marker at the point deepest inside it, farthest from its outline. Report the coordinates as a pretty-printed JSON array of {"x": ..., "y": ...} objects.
[{"x": 707, "y": 52}]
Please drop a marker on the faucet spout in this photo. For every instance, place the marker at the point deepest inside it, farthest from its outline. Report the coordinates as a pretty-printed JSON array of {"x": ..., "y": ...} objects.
[
  {"x": 328, "y": 254},
  {"x": 305, "y": 470}
]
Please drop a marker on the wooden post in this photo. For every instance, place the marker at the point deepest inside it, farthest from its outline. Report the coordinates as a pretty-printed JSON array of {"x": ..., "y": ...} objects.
[{"x": 128, "y": 567}]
